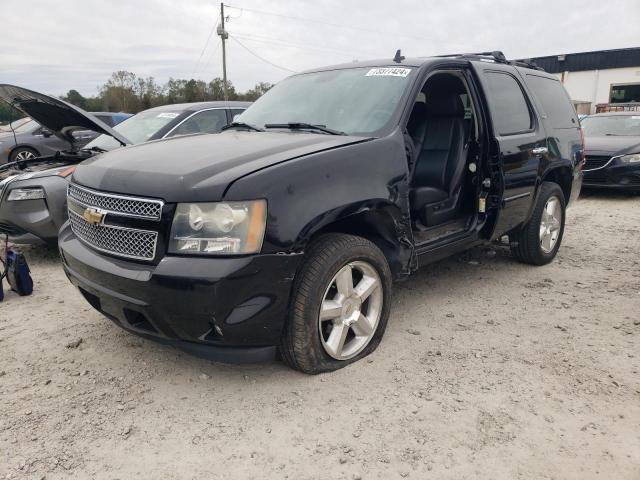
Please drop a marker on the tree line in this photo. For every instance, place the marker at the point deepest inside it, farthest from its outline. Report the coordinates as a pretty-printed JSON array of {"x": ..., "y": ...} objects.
[{"x": 126, "y": 92}]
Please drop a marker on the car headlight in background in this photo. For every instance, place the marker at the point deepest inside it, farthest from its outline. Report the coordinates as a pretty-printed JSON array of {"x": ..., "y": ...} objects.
[
  {"x": 221, "y": 228},
  {"x": 633, "y": 158},
  {"x": 25, "y": 194}
]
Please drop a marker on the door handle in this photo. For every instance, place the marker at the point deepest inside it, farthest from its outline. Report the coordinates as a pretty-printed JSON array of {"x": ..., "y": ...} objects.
[{"x": 540, "y": 150}]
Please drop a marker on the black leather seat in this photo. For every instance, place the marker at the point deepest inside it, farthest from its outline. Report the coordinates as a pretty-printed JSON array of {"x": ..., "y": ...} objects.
[{"x": 441, "y": 158}]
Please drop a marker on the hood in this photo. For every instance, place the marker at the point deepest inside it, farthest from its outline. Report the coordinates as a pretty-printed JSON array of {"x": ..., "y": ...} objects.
[
  {"x": 36, "y": 171},
  {"x": 198, "y": 167},
  {"x": 60, "y": 117},
  {"x": 611, "y": 145}
]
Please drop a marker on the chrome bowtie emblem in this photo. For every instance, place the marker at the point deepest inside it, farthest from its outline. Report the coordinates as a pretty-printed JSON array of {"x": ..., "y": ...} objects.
[{"x": 93, "y": 216}]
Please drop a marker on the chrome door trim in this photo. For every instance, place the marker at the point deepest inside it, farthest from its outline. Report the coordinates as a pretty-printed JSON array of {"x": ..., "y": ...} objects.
[{"x": 194, "y": 113}]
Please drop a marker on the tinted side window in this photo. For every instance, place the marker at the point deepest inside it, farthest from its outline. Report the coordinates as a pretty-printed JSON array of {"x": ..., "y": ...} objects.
[
  {"x": 207, "y": 121},
  {"x": 554, "y": 100},
  {"x": 236, "y": 111},
  {"x": 510, "y": 111}
]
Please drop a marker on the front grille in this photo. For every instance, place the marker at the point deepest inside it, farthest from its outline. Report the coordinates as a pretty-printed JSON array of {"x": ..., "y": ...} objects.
[
  {"x": 124, "y": 242},
  {"x": 595, "y": 161},
  {"x": 118, "y": 204}
]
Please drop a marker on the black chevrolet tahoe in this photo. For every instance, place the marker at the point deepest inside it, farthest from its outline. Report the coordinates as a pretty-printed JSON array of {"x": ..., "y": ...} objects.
[{"x": 285, "y": 232}]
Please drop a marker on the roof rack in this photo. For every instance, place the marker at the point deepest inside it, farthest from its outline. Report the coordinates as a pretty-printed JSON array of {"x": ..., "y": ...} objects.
[{"x": 498, "y": 57}]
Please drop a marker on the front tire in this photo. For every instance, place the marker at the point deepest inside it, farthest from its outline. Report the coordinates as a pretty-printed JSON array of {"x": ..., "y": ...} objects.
[
  {"x": 537, "y": 242},
  {"x": 340, "y": 304},
  {"x": 23, "y": 153}
]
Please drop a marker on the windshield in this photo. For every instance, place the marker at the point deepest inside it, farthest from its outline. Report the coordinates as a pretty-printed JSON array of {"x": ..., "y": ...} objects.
[
  {"x": 616, "y": 125},
  {"x": 15, "y": 124},
  {"x": 26, "y": 127},
  {"x": 355, "y": 100},
  {"x": 137, "y": 129}
]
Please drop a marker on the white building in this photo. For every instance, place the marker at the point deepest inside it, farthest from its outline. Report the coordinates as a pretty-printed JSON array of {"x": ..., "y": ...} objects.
[{"x": 598, "y": 81}]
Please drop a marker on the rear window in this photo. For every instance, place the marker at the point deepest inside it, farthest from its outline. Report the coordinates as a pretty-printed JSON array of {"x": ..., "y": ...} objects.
[
  {"x": 509, "y": 108},
  {"x": 554, "y": 101}
]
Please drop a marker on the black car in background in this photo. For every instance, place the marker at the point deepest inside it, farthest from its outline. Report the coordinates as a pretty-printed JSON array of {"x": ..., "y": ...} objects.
[
  {"x": 33, "y": 190},
  {"x": 612, "y": 149},
  {"x": 287, "y": 229}
]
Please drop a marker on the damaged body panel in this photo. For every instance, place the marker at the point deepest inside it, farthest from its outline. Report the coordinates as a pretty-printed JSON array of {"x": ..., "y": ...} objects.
[{"x": 287, "y": 229}]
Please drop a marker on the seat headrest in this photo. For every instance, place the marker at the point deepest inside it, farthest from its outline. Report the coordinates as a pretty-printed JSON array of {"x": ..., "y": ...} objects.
[
  {"x": 418, "y": 115},
  {"x": 446, "y": 105}
]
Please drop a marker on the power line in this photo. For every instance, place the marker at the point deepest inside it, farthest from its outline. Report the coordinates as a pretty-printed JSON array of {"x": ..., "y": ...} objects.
[
  {"x": 205, "y": 47},
  {"x": 324, "y": 22},
  {"x": 303, "y": 46},
  {"x": 258, "y": 56},
  {"x": 211, "y": 57}
]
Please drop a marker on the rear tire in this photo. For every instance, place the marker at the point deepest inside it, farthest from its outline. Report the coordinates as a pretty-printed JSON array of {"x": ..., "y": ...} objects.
[
  {"x": 23, "y": 153},
  {"x": 340, "y": 304},
  {"x": 537, "y": 242}
]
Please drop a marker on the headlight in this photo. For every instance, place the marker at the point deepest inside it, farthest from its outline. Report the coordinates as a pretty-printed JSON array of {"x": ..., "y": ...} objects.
[
  {"x": 225, "y": 228},
  {"x": 633, "y": 158},
  {"x": 25, "y": 194}
]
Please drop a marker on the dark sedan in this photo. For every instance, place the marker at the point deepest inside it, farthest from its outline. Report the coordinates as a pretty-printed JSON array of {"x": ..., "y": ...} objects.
[{"x": 612, "y": 142}]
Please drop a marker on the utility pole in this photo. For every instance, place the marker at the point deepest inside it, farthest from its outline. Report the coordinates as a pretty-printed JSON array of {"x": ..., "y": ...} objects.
[{"x": 223, "y": 36}]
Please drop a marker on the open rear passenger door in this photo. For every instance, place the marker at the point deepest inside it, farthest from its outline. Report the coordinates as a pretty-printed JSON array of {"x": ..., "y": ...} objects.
[{"x": 518, "y": 143}]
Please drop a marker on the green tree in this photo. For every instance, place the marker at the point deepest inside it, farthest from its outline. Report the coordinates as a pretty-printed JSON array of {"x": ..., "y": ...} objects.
[
  {"x": 74, "y": 97},
  {"x": 119, "y": 93},
  {"x": 149, "y": 93},
  {"x": 216, "y": 89},
  {"x": 256, "y": 92}
]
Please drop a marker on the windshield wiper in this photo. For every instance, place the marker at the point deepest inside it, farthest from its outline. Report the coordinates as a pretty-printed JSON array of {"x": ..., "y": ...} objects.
[
  {"x": 242, "y": 125},
  {"x": 304, "y": 126},
  {"x": 95, "y": 149}
]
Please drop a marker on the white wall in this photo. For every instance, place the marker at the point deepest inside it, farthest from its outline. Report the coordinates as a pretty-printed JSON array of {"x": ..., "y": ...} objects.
[{"x": 594, "y": 85}]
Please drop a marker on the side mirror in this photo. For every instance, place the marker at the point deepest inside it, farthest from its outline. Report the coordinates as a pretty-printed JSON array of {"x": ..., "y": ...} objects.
[{"x": 46, "y": 133}]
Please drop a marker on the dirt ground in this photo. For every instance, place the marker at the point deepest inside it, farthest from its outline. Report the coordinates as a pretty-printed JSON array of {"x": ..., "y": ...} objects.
[{"x": 489, "y": 369}]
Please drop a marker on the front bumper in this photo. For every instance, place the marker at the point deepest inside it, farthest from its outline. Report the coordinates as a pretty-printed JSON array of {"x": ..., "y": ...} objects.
[
  {"x": 228, "y": 309},
  {"x": 34, "y": 221},
  {"x": 616, "y": 175}
]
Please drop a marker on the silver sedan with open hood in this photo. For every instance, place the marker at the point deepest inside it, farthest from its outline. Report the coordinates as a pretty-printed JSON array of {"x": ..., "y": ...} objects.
[{"x": 33, "y": 190}]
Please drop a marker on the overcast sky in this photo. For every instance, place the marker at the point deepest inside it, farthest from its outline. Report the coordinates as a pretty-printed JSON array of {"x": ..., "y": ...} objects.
[{"x": 55, "y": 46}]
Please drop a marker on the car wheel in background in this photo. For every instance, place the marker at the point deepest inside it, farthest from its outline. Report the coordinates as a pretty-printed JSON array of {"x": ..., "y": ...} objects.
[
  {"x": 340, "y": 304},
  {"x": 23, "y": 153},
  {"x": 538, "y": 241}
]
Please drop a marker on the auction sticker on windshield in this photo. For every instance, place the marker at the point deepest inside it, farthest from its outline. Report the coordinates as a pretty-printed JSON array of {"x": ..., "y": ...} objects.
[
  {"x": 167, "y": 115},
  {"x": 388, "y": 72}
]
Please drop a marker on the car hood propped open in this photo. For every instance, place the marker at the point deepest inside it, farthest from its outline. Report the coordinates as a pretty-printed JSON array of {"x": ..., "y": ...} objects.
[{"x": 60, "y": 117}]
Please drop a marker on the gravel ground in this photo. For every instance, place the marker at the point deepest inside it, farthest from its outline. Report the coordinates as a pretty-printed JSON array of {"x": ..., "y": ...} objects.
[{"x": 488, "y": 369}]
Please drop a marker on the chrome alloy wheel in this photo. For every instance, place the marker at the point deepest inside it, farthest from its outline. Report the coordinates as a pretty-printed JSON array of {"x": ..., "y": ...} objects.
[
  {"x": 550, "y": 224},
  {"x": 25, "y": 155},
  {"x": 350, "y": 310}
]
